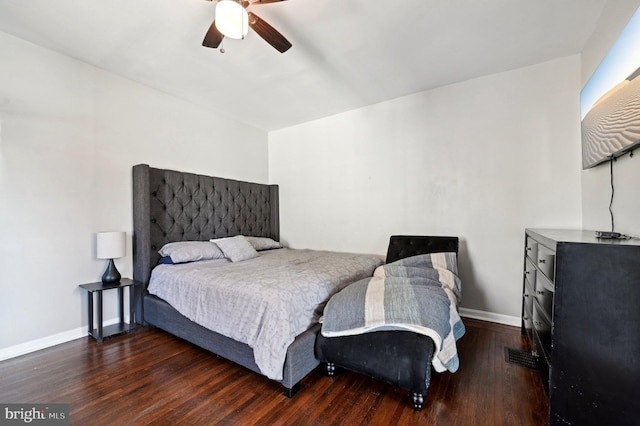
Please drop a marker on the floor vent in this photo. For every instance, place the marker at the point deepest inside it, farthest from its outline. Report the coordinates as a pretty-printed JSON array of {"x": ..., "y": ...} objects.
[{"x": 521, "y": 358}]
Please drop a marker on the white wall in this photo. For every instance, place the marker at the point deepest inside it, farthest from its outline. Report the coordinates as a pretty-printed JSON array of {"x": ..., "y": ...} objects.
[
  {"x": 596, "y": 182},
  {"x": 482, "y": 160},
  {"x": 69, "y": 135}
]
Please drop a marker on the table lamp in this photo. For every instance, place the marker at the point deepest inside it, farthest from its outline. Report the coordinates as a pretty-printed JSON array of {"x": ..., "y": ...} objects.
[{"x": 111, "y": 245}]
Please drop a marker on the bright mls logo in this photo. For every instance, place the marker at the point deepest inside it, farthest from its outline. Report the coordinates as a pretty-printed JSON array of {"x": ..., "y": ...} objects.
[{"x": 37, "y": 414}]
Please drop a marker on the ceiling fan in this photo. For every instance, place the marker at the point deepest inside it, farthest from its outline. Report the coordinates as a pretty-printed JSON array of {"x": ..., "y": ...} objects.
[{"x": 240, "y": 20}]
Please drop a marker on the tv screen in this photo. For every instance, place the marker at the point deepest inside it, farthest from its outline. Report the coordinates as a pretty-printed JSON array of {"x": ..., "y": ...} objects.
[{"x": 610, "y": 101}]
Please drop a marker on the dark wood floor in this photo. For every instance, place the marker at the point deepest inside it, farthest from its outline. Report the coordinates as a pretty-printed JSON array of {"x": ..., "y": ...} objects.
[{"x": 150, "y": 377}]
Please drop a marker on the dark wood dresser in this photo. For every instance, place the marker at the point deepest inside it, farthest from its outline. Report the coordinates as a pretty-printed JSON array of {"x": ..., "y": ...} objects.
[{"x": 581, "y": 312}]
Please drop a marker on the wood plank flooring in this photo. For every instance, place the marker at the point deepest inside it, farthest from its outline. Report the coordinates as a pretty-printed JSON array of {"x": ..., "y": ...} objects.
[{"x": 151, "y": 377}]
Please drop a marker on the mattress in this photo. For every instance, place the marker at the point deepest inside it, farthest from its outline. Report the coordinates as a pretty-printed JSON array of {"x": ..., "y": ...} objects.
[{"x": 264, "y": 302}]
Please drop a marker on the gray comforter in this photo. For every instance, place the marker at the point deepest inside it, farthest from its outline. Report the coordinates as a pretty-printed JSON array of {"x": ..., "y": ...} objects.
[{"x": 264, "y": 302}]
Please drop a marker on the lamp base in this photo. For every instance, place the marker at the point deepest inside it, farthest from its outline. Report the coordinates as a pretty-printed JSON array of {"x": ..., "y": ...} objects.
[{"x": 111, "y": 274}]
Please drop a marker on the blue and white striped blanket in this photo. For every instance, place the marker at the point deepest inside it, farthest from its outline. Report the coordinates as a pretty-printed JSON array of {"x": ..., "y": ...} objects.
[{"x": 418, "y": 294}]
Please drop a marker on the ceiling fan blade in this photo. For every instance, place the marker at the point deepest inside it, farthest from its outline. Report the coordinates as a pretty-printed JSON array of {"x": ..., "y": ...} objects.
[
  {"x": 268, "y": 33},
  {"x": 213, "y": 38},
  {"x": 265, "y": 1}
]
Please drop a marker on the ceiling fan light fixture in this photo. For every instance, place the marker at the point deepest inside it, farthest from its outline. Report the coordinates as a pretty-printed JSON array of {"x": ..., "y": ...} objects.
[{"x": 232, "y": 19}]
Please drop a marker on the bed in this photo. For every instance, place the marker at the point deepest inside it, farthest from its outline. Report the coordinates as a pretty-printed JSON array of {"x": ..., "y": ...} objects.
[
  {"x": 399, "y": 357},
  {"x": 172, "y": 207}
]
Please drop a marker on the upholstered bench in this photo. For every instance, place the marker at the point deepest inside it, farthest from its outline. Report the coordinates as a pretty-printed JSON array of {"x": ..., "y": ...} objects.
[{"x": 400, "y": 358}]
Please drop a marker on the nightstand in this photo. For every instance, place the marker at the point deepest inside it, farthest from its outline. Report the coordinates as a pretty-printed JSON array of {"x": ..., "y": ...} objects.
[{"x": 100, "y": 332}]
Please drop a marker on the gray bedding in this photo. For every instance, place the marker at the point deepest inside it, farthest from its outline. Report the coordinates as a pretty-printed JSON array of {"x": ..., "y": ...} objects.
[
  {"x": 264, "y": 302},
  {"x": 418, "y": 294}
]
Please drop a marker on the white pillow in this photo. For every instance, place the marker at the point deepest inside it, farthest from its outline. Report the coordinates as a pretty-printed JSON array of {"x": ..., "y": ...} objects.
[
  {"x": 236, "y": 249},
  {"x": 191, "y": 251},
  {"x": 263, "y": 243}
]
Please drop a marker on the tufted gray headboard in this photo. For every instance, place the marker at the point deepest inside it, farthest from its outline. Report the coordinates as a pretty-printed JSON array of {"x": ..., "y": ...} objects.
[{"x": 173, "y": 206}]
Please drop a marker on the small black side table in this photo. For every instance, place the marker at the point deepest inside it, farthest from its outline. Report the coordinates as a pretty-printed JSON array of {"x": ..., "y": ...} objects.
[{"x": 99, "y": 333}]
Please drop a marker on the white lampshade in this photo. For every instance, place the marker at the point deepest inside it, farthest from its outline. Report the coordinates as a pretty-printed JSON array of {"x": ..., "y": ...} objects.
[
  {"x": 111, "y": 245},
  {"x": 232, "y": 19}
]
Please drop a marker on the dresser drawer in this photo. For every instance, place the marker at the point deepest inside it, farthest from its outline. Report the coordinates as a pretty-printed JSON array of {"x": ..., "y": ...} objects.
[
  {"x": 530, "y": 273},
  {"x": 538, "y": 350},
  {"x": 542, "y": 327},
  {"x": 527, "y": 323},
  {"x": 528, "y": 298},
  {"x": 546, "y": 261},
  {"x": 532, "y": 249},
  {"x": 544, "y": 295}
]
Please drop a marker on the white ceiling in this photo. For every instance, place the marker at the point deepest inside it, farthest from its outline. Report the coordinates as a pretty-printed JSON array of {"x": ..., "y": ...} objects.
[{"x": 346, "y": 53}]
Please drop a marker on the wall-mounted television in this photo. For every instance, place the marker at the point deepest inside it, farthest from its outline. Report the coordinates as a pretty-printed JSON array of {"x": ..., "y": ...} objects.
[{"x": 610, "y": 101}]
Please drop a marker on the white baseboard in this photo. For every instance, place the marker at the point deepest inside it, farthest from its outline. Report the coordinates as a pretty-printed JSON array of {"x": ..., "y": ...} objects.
[
  {"x": 48, "y": 341},
  {"x": 67, "y": 336},
  {"x": 490, "y": 316}
]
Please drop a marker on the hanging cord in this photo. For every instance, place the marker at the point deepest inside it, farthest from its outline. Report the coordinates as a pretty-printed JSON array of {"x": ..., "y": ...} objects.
[
  {"x": 242, "y": 15},
  {"x": 612, "y": 192}
]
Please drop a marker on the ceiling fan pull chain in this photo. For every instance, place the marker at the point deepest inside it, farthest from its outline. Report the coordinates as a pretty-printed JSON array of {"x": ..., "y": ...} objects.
[
  {"x": 243, "y": 14},
  {"x": 222, "y": 46}
]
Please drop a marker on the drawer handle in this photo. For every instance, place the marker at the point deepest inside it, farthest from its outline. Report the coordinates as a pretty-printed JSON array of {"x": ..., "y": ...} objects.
[
  {"x": 527, "y": 272},
  {"x": 525, "y": 318},
  {"x": 528, "y": 248},
  {"x": 540, "y": 292},
  {"x": 542, "y": 261},
  {"x": 526, "y": 295},
  {"x": 538, "y": 323}
]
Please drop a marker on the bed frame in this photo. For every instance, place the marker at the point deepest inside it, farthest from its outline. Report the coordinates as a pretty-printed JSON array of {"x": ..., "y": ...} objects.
[{"x": 173, "y": 206}]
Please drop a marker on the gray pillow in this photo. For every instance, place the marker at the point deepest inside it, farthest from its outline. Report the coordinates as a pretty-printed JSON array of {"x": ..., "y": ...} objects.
[
  {"x": 236, "y": 249},
  {"x": 191, "y": 251},
  {"x": 263, "y": 243}
]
